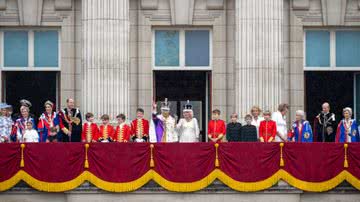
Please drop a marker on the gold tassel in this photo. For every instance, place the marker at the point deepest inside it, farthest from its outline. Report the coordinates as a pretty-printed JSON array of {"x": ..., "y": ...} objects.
[
  {"x": 152, "y": 163},
  {"x": 22, "y": 163},
  {"x": 86, "y": 164},
  {"x": 217, "y": 163},
  {"x": 282, "y": 163},
  {"x": 346, "y": 163}
]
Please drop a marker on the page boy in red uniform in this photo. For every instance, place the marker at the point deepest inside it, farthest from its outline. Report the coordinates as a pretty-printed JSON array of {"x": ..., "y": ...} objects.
[
  {"x": 140, "y": 127},
  {"x": 107, "y": 132},
  {"x": 123, "y": 131},
  {"x": 216, "y": 127},
  {"x": 90, "y": 129},
  {"x": 267, "y": 128}
]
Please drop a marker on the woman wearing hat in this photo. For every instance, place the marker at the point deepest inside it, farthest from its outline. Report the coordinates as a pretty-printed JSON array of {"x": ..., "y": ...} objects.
[
  {"x": 20, "y": 123},
  {"x": 6, "y": 122},
  {"x": 301, "y": 129},
  {"x": 49, "y": 119},
  {"x": 188, "y": 127},
  {"x": 347, "y": 130}
]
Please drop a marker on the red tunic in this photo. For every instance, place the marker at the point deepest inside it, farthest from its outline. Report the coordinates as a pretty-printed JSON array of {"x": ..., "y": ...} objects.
[
  {"x": 89, "y": 132},
  {"x": 140, "y": 126},
  {"x": 106, "y": 133},
  {"x": 267, "y": 129},
  {"x": 215, "y": 128},
  {"x": 122, "y": 134}
]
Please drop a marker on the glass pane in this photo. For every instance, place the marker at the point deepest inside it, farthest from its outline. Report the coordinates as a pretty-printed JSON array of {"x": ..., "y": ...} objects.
[
  {"x": 317, "y": 49},
  {"x": 197, "y": 48},
  {"x": 15, "y": 49},
  {"x": 46, "y": 49},
  {"x": 348, "y": 49},
  {"x": 166, "y": 48}
]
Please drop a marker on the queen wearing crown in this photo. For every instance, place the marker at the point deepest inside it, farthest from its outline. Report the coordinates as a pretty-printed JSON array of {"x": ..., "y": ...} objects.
[
  {"x": 163, "y": 125},
  {"x": 188, "y": 127}
]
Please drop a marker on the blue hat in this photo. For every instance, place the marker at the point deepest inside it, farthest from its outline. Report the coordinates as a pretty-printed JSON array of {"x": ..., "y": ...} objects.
[
  {"x": 7, "y": 106},
  {"x": 4, "y": 106}
]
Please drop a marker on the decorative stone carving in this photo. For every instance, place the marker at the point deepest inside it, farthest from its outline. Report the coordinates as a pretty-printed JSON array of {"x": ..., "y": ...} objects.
[
  {"x": 30, "y": 12},
  {"x": 215, "y": 4},
  {"x": 63, "y": 4},
  {"x": 182, "y": 12},
  {"x": 333, "y": 12},
  {"x": 301, "y": 4},
  {"x": 149, "y": 4}
]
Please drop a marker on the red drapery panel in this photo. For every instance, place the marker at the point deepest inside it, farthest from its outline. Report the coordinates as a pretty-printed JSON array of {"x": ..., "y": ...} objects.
[
  {"x": 119, "y": 162},
  {"x": 353, "y": 152},
  {"x": 53, "y": 162},
  {"x": 184, "y": 162},
  {"x": 249, "y": 162},
  {"x": 313, "y": 162},
  {"x": 9, "y": 160}
]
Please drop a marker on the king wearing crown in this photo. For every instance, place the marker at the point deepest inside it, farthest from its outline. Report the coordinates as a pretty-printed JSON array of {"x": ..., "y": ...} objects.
[{"x": 163, "y": 125}]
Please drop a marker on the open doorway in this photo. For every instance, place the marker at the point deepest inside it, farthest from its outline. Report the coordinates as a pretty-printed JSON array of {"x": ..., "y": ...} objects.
[
  {"x": 37, "y": 87},
  {"x": 336, "y": 88},
  {"x": 180, "y": 86}
]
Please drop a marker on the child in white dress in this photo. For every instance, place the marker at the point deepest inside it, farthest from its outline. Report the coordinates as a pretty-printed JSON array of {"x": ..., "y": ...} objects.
[{"x": 31, "y": 135}]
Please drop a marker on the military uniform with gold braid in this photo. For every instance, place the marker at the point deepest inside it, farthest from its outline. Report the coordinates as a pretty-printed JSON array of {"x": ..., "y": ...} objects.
[{"x": 71, "y": 118}]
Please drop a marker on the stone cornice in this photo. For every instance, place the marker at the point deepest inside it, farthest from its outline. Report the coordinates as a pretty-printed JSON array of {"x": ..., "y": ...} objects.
[{"x": 216, "y": 187}]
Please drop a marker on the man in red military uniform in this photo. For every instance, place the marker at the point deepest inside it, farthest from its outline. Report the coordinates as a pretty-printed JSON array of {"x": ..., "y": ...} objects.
[
  {"x": 140, "y": 127},
  {"x": 123, "y": 131},
  {"x": 90, "y": 130},
  {"x": 267, "y": 128},
  {"x": 107, "y": 132},
  {"x": 216, "y": 127}
]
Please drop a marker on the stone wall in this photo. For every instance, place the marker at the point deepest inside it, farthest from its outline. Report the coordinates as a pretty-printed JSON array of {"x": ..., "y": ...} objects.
[
  {"x": 62, "y": 14},
  {"x": 219, "y": 16},
  {"x": 152, "y": 192}
]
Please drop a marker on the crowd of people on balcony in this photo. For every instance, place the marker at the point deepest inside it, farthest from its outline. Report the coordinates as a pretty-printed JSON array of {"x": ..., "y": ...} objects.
[{"x": 67, "y": 125}]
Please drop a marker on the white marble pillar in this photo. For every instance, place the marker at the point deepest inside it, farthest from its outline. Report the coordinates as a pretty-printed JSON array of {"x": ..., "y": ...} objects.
[
  {"x": 259, "y": 63},
  {"x": 105, "y": 57}
]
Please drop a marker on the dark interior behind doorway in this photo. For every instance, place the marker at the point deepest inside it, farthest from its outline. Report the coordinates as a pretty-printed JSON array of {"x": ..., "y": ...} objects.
[
  {"x": 336, "y": 88},
  {"x": 37, "y": 87}
]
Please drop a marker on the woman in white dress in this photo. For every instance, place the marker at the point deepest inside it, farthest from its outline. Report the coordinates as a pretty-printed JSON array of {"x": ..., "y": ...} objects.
[{"x": 188, "y": 127}]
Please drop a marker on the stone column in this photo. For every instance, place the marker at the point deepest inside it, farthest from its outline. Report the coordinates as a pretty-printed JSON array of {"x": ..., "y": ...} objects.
[
  {"x": 105, "y": 52},
  {"x": 259, "y": 62}
]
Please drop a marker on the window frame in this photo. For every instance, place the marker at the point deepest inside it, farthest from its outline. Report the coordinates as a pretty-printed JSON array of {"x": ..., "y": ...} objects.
[
  {"x": 181, "y": 49},
  {"x": 31, "y": 45},
  {"x": 332, "y": 66}
]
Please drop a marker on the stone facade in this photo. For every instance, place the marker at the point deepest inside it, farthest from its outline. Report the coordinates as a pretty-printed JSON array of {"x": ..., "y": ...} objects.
[
  {"x": 257, "y": 47},
  {"x": 153, "y": 192}
]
